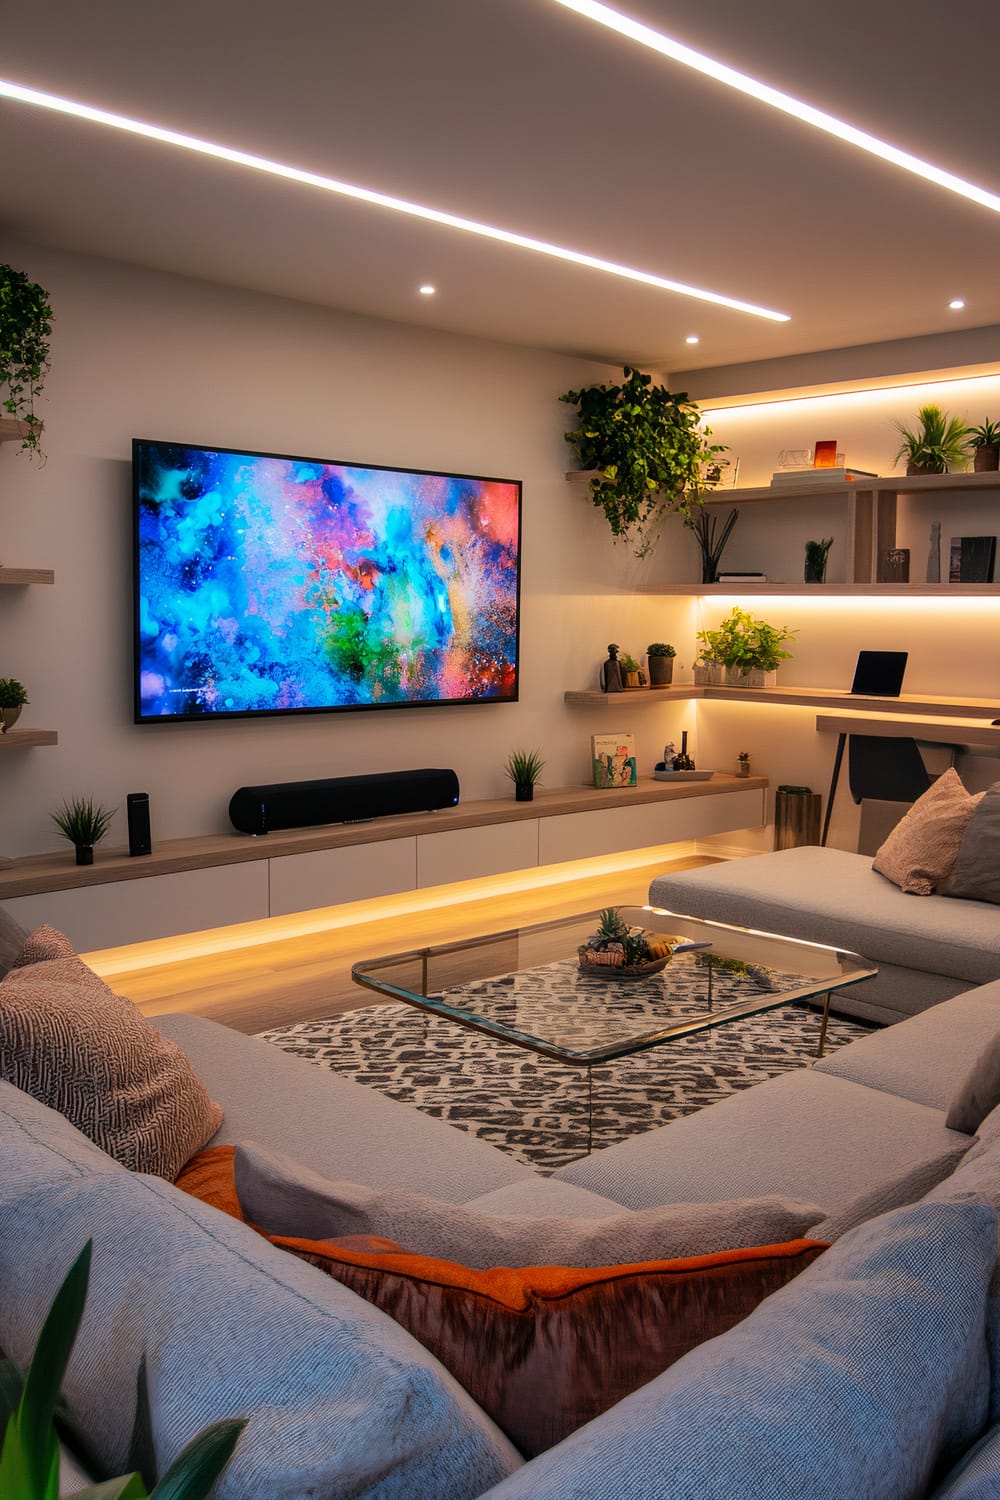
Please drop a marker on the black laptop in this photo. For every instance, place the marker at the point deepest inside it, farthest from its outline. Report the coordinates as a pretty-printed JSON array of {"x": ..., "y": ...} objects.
[{"x": 879, "y": 674}]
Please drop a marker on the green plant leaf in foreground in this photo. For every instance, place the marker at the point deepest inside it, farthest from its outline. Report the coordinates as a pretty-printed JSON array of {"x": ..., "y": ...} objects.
[
  {"x": 129, "y": 1487},
  {"x": 193, "y": 1473}
]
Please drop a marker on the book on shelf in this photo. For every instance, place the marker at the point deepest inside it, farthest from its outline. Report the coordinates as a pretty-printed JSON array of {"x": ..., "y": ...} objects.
[
  {"x": 845, "y": 475},
  {"x": 742, "y": 578},
  {"x": 613, "y": 758}
]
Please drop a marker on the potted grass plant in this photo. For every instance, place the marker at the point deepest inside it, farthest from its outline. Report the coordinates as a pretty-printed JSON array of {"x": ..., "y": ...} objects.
[
  {"x": 935, "y": 446},
  {"x": 13, "y": 697},
  {"x": 84, "y": 822},
  {"x": 984, "y": 444},
  {"x": 524, "y": 767}
]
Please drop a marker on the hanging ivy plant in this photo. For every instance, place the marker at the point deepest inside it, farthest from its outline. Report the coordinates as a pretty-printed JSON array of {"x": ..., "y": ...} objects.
[
  {"x": 25, "y": 325},
  {"x": 650, "y": 452}
]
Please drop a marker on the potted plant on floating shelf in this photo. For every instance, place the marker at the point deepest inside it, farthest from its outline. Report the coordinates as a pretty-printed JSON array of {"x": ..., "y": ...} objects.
[
  {"x": 12, "y": 699},
  {"x": 630, "y": 671},
  {"x": 749, "y": 649},
  {"x": 660, "y": 657},
  {"x": 708, "y": 669},
  {"x": 936, "y": 446},
  {"x": 25, "y": 325},
  {"x": 648, "y": 453},
  {"x": 32, "y": 1420},
  {"x": 84, "y": 823},
  {"x": 816, "y": 555},
  {"x": 524, "y": 767},
  {"x": 984, "y": 444}
]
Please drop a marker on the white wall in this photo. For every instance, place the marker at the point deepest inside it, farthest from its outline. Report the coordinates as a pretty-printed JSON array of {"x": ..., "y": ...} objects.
[{"x": 137, "y": 353}]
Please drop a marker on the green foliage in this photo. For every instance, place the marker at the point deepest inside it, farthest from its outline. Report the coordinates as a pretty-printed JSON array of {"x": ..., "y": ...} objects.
[
  {"x": 986, "y": 436},
  {"x": 12, "y": 693},
  {"x": 629, "y": 663},
  {"x": 25, "y": 325},
  {"x": 660, "y": 648},
  {"x": 816, "y": 552},
  {"x": 29, "y": 1456},
  {"x": 524, "y": 767},
  {"x": 745, "y": 643},
  {"x": 83, "y": 821},
  {"x": 649, "y": 449},
  {"x": 612, "y": 931},
  {"x": 937, "y": 444}
]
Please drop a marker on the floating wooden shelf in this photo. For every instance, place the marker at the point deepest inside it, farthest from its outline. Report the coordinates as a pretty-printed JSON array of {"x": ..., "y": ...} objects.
[
  {"x": 982, "y": 738},
  {"x": 796, "y": 697},
  {"x": 830, "y": 590},
  {"x": 14, "y": 432},
  {"x": 27, "y": 739},
  {"x": 26, "y": 575}
]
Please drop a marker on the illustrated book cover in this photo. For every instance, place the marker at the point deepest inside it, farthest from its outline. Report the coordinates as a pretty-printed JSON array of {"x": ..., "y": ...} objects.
[{"x": 613, "y": 757}]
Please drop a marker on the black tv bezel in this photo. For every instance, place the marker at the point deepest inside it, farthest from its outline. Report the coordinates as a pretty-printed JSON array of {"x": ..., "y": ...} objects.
[{"x": 227, "y": 716}]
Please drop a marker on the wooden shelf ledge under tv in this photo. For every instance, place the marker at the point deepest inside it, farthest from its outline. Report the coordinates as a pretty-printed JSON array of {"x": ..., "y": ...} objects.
[
  {"x": 798, "y": 697},
  {"x": 35, "y": 874}
]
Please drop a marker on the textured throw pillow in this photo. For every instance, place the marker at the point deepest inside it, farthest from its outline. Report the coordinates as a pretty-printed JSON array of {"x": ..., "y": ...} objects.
[
  {"x": 975, "y": 875},
  {"x": 979, "y": 1091},
  {"x": 12, "y": 936},
  {"x": 286, "y": 1198},
  {"x": 70, "y": 1042},
  {"x": 541, "y": 1348},
  {"x": 920, "y": 851},
  {"x": 44, "y": 943}
]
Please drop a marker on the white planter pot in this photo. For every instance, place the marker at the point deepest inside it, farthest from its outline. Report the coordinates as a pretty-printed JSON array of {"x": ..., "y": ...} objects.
[
  {"x": 753, "y": 678},
  {"x": 709, "y": 675}
]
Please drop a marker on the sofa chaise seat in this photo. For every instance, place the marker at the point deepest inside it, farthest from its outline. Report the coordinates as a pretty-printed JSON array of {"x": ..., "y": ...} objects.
[{"x": 927, "y": 948}]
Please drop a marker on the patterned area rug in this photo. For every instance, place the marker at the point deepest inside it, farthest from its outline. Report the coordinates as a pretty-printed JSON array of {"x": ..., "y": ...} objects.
[{"x": 536, "y": 1109}]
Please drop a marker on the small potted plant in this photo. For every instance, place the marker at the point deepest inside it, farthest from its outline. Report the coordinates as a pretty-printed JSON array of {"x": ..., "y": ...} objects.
[
  {"x": 524, "y": 767},
  {"x": 749, "y": 649},
  {"x": 84, "y": 822},
  {"x": 25, "y": 325},
  {"x": 13, "y": 697},
  {"x": 984, "y": 445},
  {"x": 816, "y": 555},
  {"x": 937, "y": 445},
  {"x": 743, "y": 763},
  {"x": 630, "y": 671},
  {"x": 708, "y": 668},
  {"x": 660, "y": 656}
]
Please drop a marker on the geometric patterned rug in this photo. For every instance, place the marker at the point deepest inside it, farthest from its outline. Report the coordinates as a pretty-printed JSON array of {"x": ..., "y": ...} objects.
[{"x": 537, "y": 1109}]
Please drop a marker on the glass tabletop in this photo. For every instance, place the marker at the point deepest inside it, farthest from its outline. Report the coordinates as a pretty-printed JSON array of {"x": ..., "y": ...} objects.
[{"x": 526, "y": 985}]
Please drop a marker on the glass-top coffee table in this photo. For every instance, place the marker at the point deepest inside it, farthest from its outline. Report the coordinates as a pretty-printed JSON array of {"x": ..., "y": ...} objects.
[{"x": 525, "y": 985}]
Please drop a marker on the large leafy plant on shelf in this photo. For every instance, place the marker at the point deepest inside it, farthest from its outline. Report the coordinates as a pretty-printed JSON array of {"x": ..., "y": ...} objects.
[
  {"x": 32, "y": 1420},
  {"x": 649, "y": 451},
  {"x": 25, "y": 325}
]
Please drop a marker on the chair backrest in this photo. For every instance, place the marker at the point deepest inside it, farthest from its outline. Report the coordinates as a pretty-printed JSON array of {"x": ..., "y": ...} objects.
[{"x": 886, "y": 770}]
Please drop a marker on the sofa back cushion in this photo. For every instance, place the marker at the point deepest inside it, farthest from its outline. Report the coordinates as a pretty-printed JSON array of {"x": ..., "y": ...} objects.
[
  {"x": 920, "y": 851},
  {"x": 341, "y": 1401},
  {"x": 39, "y": 1146},
  {"x": 975, "y": 875},
  {"x": 857, "y": 1378},
  {"x": 75, "y": 1045}
]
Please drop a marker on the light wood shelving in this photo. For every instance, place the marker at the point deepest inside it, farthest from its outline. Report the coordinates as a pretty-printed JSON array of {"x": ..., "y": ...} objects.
[
  {"x": 12, "y": 431},
  {"x": 796, "y": 697},
  {"x": 27, "y": 739},
  {"x": 19, "y": 576}
]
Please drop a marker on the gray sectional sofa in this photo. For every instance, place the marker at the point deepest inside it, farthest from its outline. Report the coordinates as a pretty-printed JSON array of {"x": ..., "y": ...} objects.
[
  {"x": 927, "y": 948},
  {"x": 875, "y": 1372}
]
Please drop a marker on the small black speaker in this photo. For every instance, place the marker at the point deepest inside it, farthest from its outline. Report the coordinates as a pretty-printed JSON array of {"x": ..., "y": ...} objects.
[
  {"x": 341, "y": 799},
  {"x": 137, "y": 808}
]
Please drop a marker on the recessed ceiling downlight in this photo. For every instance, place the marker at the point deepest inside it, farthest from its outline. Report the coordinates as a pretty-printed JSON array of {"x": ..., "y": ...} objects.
[
  {"x": 16, "y": 91},
  {"x": 956, "y": 304},
  {"x": 427, "y": 290}
]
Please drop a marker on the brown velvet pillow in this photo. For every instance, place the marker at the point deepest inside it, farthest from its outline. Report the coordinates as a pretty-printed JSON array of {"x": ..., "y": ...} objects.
[
  {"x": 72, "y": 1043},
  {"x": 542, "y": 1349},
  {"x": 920, "y": 851}
]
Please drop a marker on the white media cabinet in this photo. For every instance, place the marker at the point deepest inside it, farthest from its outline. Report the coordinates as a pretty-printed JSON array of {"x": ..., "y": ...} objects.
[{"x": 189, "y": 885}]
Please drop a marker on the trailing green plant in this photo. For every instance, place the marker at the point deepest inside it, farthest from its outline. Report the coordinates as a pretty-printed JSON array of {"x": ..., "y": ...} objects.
[
  {"x": 25, "y": 325},
  {"x": 30, "y": 1418},
  {"x": 650, "y": 452},
  {"x": 12, "y": 693},
  {"x": 936, "y": 445},
  {"x": 83, "y": 821},
  {"x": 660, "y": 648},
  {"x": 987, "y": 435},
  {"x": 745, "y": 643},
  {"x": 524, "y": 767}
]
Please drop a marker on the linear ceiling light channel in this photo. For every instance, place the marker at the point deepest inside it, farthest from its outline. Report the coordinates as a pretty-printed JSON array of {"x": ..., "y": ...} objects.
[
  {"x": 593, "y": 10},
  {"x": 9, "y": 90}
]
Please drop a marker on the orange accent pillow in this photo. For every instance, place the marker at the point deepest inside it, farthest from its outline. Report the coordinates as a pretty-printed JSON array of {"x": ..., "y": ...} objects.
[{"x": 542, "y": 1349}]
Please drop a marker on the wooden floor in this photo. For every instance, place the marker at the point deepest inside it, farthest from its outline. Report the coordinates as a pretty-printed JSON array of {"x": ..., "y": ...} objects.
[{"x": 302, "y": 977}]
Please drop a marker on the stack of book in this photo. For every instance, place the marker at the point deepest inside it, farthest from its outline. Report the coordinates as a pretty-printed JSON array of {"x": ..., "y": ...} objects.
[{"x": 801, "y": 477}]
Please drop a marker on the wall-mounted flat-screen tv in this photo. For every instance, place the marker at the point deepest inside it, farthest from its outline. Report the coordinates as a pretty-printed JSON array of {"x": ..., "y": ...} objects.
[{"x": 270, "y": 584}]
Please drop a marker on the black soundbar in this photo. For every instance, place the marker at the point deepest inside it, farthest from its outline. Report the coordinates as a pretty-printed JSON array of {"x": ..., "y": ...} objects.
[{"x": 341, "y": 799}]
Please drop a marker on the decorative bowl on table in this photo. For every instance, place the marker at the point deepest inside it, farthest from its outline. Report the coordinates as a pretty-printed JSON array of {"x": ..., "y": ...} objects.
[{"x": 619, "y": 951}]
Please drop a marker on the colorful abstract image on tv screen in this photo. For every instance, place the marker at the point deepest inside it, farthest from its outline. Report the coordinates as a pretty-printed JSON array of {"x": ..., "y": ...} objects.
[{"x": 268, "y": 584}]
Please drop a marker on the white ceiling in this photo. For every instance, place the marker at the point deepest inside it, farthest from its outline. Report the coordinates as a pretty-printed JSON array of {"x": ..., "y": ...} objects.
[{"x": 523, "y": 115}]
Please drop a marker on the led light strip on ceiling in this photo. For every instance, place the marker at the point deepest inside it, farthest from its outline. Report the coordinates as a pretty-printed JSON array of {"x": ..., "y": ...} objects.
[
  {"x": 603, "y": 15},
  {"x": 22, "y": 95}
]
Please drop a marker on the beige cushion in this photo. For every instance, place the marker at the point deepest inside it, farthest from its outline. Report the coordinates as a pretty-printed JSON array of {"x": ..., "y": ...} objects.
[
  {"x": 921, "y": 850},
  {"x": 44, "y": 943},
  {"x": 979, "y": 1091},
  {"x": 70, "y": 1042},
  {"x": 287, "y": 1199},
  {"x": 975, "y": 875}
]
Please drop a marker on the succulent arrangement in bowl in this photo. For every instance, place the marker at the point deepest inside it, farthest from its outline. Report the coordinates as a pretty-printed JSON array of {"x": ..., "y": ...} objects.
[{"x": 627, "y": 952}]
